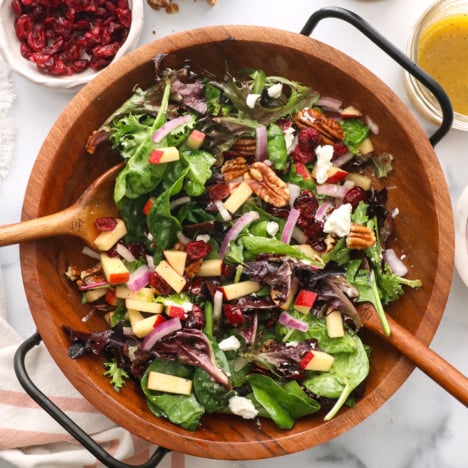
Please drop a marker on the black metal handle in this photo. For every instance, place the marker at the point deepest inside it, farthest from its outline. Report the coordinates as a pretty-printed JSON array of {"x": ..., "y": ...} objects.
[
  {"x": 401, "y": 58},
  {"x": 70, "y": 426}
]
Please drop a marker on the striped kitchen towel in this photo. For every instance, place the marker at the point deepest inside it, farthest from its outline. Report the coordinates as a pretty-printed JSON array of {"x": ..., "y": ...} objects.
[{"x": 29, "y": 437}]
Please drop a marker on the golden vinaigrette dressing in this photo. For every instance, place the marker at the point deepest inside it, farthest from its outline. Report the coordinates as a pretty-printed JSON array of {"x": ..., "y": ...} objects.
[{"x": 443, "y": 53}]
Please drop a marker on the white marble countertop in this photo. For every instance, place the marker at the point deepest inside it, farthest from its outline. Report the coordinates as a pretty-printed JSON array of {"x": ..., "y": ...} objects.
[{"x": 421, "y": 426}]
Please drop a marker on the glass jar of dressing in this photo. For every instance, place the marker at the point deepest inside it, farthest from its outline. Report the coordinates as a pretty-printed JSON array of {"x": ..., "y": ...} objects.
[{"x": 439, "y": 45}]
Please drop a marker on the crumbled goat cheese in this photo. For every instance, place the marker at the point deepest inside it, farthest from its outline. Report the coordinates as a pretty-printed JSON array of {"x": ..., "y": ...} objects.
[
  {"x": 275, "y": 90},
  {"x": 203, "y": 237},
  {"x": 289, "y": 138},
  {"x": 229, "y": 344},
  {"x": 243, "y": 407},
  {"x": 323, "y": 165},
  {"x": 339, "y": 221},
  {"x": 251, "y": 99},
  {"x": 272, "y": 228}
]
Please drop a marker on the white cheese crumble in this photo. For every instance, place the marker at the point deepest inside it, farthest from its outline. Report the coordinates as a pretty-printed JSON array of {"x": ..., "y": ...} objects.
[
  {"x": 323, "y": 165},
  {"x": 289, "y": 138},
  {"x": 203, "y": 237},
  {"x": 251, "y": 100},
  {"x": 272, "y": 228},
  {"x": 275, "y": 90},
  {"x": 339, "y": 221},
  {"x": 229, "y": 344},
  {"x": 243, "y": 407}
]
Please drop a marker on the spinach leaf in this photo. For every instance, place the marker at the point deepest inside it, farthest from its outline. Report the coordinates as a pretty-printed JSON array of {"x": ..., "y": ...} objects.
[
  {"x": 276, "y": 147},
  {"x": 212, "y": 396},
  {"x": 347, "y": 372},
  {"x": 198, "y": 165},
  {"x": 355, "y": 133}
]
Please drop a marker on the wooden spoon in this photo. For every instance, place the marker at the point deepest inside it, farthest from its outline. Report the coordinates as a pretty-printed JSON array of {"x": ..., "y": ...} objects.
[
  {"x": 77, "y": 220},
  {"x": 423, "y": 357}
]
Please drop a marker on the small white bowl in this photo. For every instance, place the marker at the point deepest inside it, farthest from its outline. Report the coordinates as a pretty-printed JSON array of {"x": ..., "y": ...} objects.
[{"x": 10, "y": 50}]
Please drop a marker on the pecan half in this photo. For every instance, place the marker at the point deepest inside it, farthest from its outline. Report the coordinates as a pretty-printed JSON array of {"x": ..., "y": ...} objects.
[
  {"x": 245, "y": 146},
  {"x": 267, "y": 185},
  {"x": 360, "y": 237},
  {"x": 329, "y": 128},
  {"x": 234, "y": 168}
]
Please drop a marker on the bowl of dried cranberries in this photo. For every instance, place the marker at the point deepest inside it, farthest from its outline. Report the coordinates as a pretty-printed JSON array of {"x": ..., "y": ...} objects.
[{"x": 64, "y": 43}]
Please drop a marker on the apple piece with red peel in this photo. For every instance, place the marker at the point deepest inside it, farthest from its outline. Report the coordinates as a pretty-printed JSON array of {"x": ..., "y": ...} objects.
[
  {"x": 304, "y": 301},
  {"x": 195, "y": 139},
  {"x": 164, "y": 155},
  {"x": 302, "y": 170},
  {"x": 107, "y": 239},
  {"x": 211, "y": 267},
  {"x": 335, "y": 174},
  {"x": 319, "y": 361},
  {"x": 114, "y": 269},
  {"x": 174, "y": 311},
  {"x": 144, "y": 326},
  {"x": 350, "y": 112},
  {"x": 177, "y": 259},
  {"x": 240, "y": 289},
  {"x": 172, "y": 278},
  {"x": 144, "y": 306}
]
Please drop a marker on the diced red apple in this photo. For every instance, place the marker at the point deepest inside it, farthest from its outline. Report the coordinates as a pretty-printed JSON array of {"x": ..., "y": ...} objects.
[
  {"x": 143, "y": 294},
  {"x": 335, "y": 174},
  {"x": 304, "y": 301},
  {"x": 302, "y": 170},
  {"x": 350, "y": 112},
  {"x": 134, "y": 316},
  {"x": 107, "y": 239},
  {"x": 238, "y": 197},
  {"x": 142, "y": 327},
  {"x": 195, "y": 139},
  {"x": 114, "y": 269},
  {"x": 172, "y": 278},
  {"x": 334, "y": 321},
  {"x": 144, "y": 306},
  {"x": 240, "y": 289},
  {"x": 148, "y": 205},
  {"x": 175, "y": 311},
  {"x": 366, "y": 146},
  {"x": 319, "y": 361},
  {"x": 169, "y": 383},
  {"x": 111, "y": 297},
  {"x": 177, "y": 259},
  {"x": 164, "y": 155},
  {"x": 360, "y": 180},
  {"x": 211, "y": 267}
]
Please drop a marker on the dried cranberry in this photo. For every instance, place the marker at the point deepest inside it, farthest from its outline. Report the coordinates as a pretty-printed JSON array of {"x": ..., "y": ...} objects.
[
  {"x": 233, "y": 314},
  {"x": 302, "y": 156},
  {"x": 339, "y": 148},
  {"x": 23, "y": 27},
  {"x": 195, "y": 318},
  {"x": 159, "y": 284},
  {"x": 219, "y": 191},
  {"x": 105, "y": 223},
  {"x": 308, "y": 139},
  {"x": 307, "y": 204},
  {"x": 197, "y": 250},
  {"x": 355, "y": 195}
]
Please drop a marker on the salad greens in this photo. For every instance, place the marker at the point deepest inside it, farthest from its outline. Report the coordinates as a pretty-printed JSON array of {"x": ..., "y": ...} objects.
[{"x": 252, "y": 234}]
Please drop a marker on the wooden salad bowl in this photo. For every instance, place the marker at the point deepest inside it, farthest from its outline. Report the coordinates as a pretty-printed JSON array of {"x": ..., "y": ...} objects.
[{"x": 418, "y": 188}]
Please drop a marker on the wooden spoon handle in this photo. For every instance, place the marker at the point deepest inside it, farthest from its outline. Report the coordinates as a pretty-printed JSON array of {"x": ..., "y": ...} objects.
[
  {"x": 423, "y": 357},
  {"x": 63, "y": 222}
]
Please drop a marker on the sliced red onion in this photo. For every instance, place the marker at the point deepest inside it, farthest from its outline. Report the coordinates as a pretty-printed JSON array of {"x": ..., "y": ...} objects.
[
  {"x": 170, "y": 125},
  {"x": 163, "y": 329},
  {"x": 150, "y": 262},
  {"x": 373, "y": 127},
  {"x": 289, "y": 321},
  {"x": 299, "y": 236},
  {"x": 343, "y": 159},
  {"x": 332, "y": 190},
  {"x": 329, "y": 103},
  {"x": 139, "y": 278},
  {"x": 87, "y": 287},
  {"x": 222, "y": 210},
  {"x": 178, "y": 201},
  {"x": 294, "y": 192},
  {"x": 182, "y": 238},
  {"x": 261, "y": 143},
  {"x": 90, "y": 253},
  {"x": 394, "y": 262},
  {"x": 290, "y": 225},
  {"x": 124, "y": 252},
  {"x": 217, "y": 304},
  {"x": 236, "y": 229},
  {"x": 323, "y": 210}
]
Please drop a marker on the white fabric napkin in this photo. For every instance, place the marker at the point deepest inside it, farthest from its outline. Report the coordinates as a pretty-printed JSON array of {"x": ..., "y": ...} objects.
[{"x": 7, "y": 130}]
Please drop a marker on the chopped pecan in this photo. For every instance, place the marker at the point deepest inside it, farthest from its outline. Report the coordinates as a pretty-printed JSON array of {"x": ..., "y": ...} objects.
[
  {"x": 329, "y": 128},
  {"x": 234, "y": 168},
  {"x": 267, "y": 185},
  {"x": 245, "y": 146},
  {"x": 360, "y": 237},
  {"x": 192, "y": 268}
]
